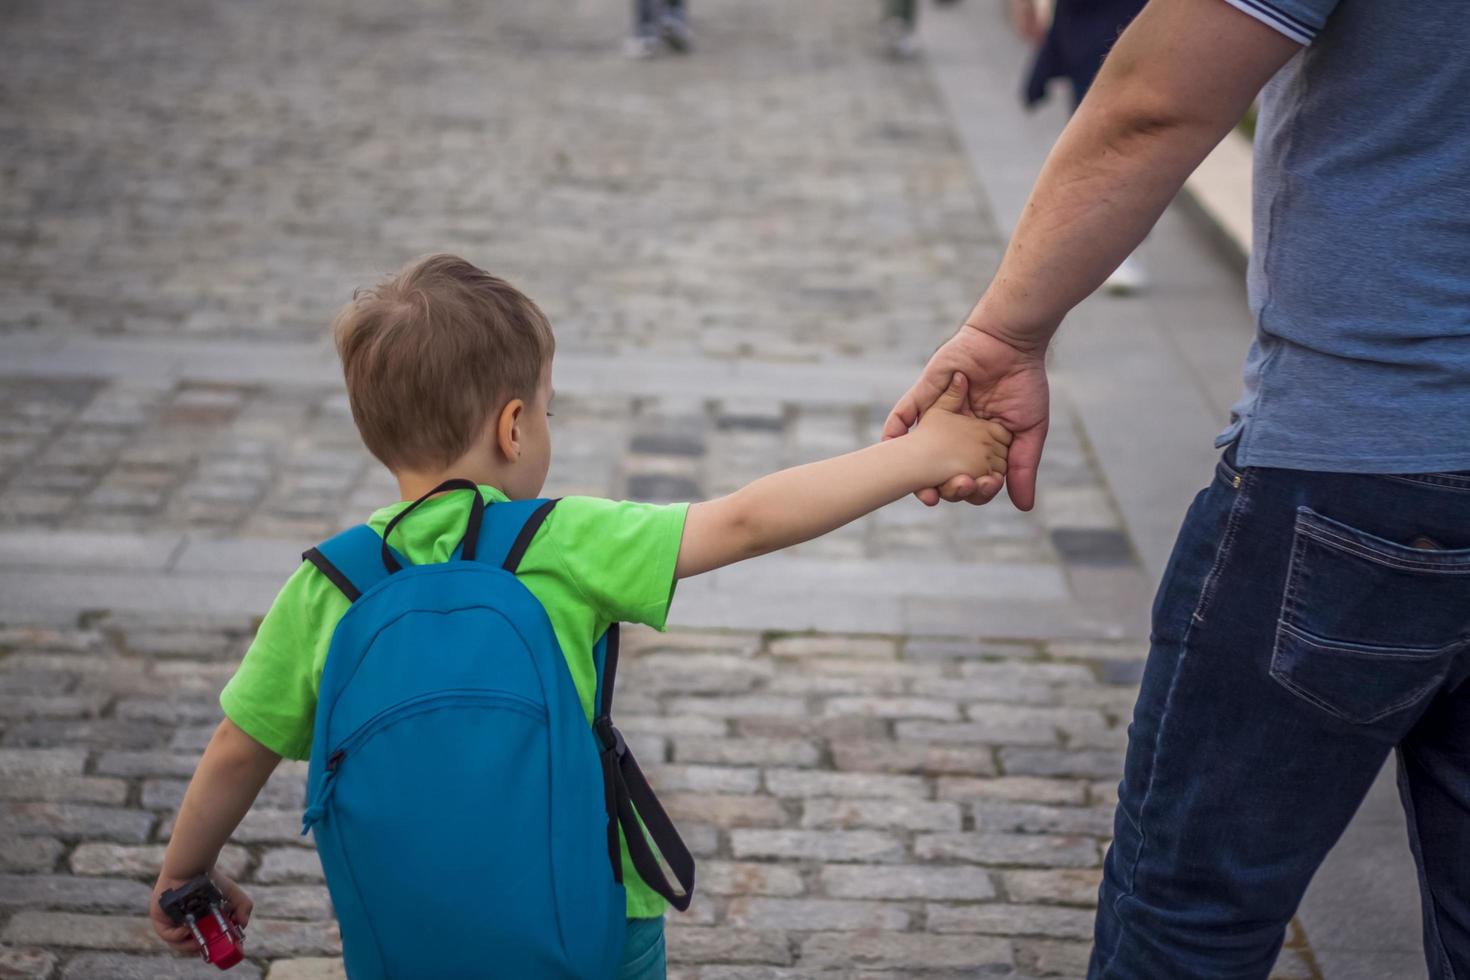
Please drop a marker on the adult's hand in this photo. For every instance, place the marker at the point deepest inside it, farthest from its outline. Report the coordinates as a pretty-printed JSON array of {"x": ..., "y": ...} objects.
[{"x": 1007, "y": 385}]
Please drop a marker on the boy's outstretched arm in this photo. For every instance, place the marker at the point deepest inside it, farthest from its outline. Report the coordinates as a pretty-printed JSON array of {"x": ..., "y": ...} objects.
[
  {"x": 227, "y": 780},
  {"x": 805, "y": 502}
]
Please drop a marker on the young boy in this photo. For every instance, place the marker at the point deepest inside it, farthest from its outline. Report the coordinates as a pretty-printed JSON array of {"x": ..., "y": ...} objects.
[{"x": 448, "y": 371}]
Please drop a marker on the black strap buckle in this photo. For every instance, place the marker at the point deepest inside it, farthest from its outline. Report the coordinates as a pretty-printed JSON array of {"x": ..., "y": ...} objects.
[{"x": 609, "y": 737}]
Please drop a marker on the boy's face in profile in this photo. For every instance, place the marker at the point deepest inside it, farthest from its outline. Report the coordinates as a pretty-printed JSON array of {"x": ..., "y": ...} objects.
[{"x": 528, "y": 474}]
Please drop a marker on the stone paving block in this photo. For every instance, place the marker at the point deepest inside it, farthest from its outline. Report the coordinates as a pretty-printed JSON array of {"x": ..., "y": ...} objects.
[
  {"x": 1031, "y": 818},
  {"x": 53, "y": 891},
  {"x": 815, "y": 914},
  {"x": 703, "y": 779},
  {"x": 850, "y": 814},
  {"x": 1099, "y": 763},
  {"x": 309, "y": 902},
  {"x": 907, "y": 881},
  {"x": 747, "y": 751},
  {"x": 156, "y": 763},
  {"x": 65, "y": 789},
  {"x": 676, "y": 727},
  {"x": 721, "y": 945},
  {"x": 749, "y": 878},
  {"x": 1053, "y": 958},
  {"x": 991, "y": 731},
  {"x": 17, "y": 707},
  {"x": 1036, "y": 850},
  {"x": 816, "y": 845},
  {"x": 76, "y": 820},
  {"x": 1026, "y": 672},
  {"x": 1021, "y": 789},
  {"x": 810, "y": 727},
  {"x": 726, "y": 810},
  {"x": 143, "y": 860},
  {"x": 827, "y": 645},
  {"x": 92, "y": 732},
  {"x": 120, "y": 966},
  {"x": 308, "y": 968},
  {"x": 280, "y": 864},
  {"x": 41, "y": 762},
  {"x": 789, "y": 681},
  {"x": 881, "y": 755},
  {"x": 909, "y": 952},
  {"x": 273, "y": 938},
  {"x": 1070, "y": 886},
  {"x": 803, "y": 783},
  {"x": 893, "y": 707},
  {"x": 26, "y": 963},
  {"x": 739, "y": 706},
  {"x": 29, "y": 853},
  {"x": 1011, "y": 920},
  {"x": 695, "y": 673},
  {"x": 925, "y": 648},
  {"x": 125, "y": 933}
]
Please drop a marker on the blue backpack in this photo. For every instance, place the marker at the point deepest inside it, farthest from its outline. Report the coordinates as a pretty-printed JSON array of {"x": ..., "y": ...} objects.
[{"x": 466, "y": 816}]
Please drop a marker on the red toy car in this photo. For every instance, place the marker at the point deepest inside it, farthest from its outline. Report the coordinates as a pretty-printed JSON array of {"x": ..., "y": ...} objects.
[{"x": 198, "y": 904}]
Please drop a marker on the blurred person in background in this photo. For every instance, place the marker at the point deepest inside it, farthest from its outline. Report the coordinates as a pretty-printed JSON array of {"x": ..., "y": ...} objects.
[
  {"x": 900, "y": 17},
  {"x": 657, "y": 23},
  {"x": 1072, "y": 38}
]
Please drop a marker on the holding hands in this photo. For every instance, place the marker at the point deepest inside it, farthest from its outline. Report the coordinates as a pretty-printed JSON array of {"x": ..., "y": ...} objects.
[{"x": 1006, "y": 383}]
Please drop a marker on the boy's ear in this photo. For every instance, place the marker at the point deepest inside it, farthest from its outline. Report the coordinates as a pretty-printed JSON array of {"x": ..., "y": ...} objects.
[{"x": 507, "y": 430}]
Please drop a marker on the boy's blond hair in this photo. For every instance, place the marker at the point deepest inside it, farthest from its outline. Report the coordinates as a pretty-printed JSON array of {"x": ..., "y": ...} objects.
[{"x": 431, "y": 352}]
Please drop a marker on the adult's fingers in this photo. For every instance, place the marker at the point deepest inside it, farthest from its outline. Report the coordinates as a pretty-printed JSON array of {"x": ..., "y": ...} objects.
[
  {"x": 929, "y": 496},
  {"x": 1022, "y": 462}
]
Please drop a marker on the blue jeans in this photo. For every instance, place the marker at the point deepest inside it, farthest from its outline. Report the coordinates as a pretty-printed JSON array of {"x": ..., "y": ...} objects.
[
  {"x": 643, "y": 951},
  {"x": 1308, "y": 624}
]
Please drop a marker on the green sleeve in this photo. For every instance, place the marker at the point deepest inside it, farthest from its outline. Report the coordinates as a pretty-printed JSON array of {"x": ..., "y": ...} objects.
[
  {"x": 272, "y": 696},
  {"x": 621, "y": 555}
]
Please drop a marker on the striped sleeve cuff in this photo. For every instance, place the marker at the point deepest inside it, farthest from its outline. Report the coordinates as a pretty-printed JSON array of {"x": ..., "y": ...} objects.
[{"x": 1273, "y": 16}]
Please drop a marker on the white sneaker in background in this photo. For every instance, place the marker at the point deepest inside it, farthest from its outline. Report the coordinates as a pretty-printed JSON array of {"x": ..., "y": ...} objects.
[
  {"x": 676, "y": 33},
  {"x": 1128, "y": 279},
  {"x": 640, "y": 47}
]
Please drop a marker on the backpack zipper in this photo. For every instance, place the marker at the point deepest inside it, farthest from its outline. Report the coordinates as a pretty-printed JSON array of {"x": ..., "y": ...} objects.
[{"x": 404, "y": 709}]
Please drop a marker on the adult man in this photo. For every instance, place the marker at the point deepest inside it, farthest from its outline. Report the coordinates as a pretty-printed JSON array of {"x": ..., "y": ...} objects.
[{"x": 1316, "y": 611}]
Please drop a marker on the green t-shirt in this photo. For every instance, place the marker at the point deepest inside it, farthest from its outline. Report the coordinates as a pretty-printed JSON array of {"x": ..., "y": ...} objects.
[{"x": 593, "y": 563}]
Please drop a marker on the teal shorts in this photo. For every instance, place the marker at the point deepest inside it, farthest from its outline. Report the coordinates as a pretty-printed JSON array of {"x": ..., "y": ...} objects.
[{"x": 643, "y": 951}]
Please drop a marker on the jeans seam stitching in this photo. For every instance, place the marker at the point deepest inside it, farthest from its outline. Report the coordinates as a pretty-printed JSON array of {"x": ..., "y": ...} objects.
[
  {"x": 1365, "y": 650},
  {"x": 1207, "y": 591},
  {"x": 1330, "y": 538},
  {"x": 1461, "y": 484},
  {"x": 1411, "y": 813}
]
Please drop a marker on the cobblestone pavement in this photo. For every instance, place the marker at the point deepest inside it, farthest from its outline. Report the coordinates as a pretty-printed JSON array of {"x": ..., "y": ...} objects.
[{"x": 894, "y": 750}]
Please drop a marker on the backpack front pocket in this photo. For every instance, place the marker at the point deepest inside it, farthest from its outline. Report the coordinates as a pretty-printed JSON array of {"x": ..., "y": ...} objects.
[{"x": 1369, "y": 628}]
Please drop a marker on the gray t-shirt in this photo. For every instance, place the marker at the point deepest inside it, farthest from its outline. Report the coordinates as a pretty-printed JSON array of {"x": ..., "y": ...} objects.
[{"x": 1360, "y": 274}]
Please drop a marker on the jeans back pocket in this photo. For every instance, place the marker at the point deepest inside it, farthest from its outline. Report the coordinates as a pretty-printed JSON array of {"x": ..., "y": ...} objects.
[{"x": 1368, "y": 627}]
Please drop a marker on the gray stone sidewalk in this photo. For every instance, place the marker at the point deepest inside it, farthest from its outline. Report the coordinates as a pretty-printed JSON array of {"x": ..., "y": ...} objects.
[{"x": 894, "y": 750}]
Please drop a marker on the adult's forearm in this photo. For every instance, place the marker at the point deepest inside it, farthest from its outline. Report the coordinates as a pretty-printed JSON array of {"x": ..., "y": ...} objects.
[{"x": 1103, "y": 187}]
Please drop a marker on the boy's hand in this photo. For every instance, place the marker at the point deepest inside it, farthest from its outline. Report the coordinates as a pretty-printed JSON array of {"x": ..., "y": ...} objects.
[
  {"x": 956, "y": 442},
  {"x": 237, "y": 907}
]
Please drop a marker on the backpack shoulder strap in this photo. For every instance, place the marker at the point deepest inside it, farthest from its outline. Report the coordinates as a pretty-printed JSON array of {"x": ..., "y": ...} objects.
[
  {"x": 352, "y": 561},
  {"x": 507, "y": 530}
]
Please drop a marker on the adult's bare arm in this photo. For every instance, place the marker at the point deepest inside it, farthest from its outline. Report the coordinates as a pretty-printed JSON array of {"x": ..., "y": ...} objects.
[{"x": 1176, "y": 82}]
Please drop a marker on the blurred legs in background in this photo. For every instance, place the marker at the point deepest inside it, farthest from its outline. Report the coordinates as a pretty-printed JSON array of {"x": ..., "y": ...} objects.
[{"x": 655, "y": 21}]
